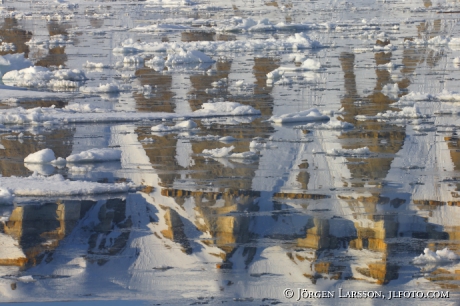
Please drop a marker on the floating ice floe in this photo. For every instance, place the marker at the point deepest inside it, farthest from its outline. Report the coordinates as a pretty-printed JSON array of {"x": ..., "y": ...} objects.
[
  {"x": 448, "y": 96},
  {"x": 333, "y": 124},
  {"x": 11, "y": 62},
  {"x": 133, "y": 60},
  {"x": 12, "y": 95},
  {"x": 386, "y": 48},
  {"x": 434, "y": 41},
  {"x": 187, "y": 135},
  {"x": 56, "y": 185},
  {"x": 5, "y": 196},
  {"x": 53, "y": 41},
  {"x": 424, "y": 128},
  {"x": 227, "y": 139},
  {"x": 219, "y": 152},
  {"x": 37, "y": 76},
  {"x": 456, "y": 62},
  {"x": 225, "y": 152},
  {"x": 185, "y": 125},
  {"x": 391, "y": 90},
  {"x": 26, "y": 279},
  {"x": 161, "y": 28},
  {"x": 44, "y": 156},
  {"x": 244, "y": 155},
  {"x": 95, "y": 155},
  {"x": 239, "y": 83},
  {"x": 6, "y": 47},
  {"x": 440, "y": 256},
  {"x": 281, "y": 75},
  {"x": 85, "y": 113},
  {"x": 412, "y": 97},
  {"x": 238, "y": 24},
  {"x": 296, "y": 42},
  {"x": 155, "y": 61},
  {"x": 181, "y": 56},
  {"x": 349, "y": 152},
  {"x": 255, "y": 145},
  {"x": 92, "y": 65},
  {"x": 406, "y": 113},
  {"x": 309, "y": 115},
  {"x": 104, "y": 88}
]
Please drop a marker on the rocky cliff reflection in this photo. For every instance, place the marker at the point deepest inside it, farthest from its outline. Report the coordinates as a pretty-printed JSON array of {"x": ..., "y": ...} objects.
[{"x": 40, "y": 229}]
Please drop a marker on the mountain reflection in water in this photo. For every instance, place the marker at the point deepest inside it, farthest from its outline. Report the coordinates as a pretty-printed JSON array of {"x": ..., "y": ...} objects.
[{"x": 205, "y": 229}]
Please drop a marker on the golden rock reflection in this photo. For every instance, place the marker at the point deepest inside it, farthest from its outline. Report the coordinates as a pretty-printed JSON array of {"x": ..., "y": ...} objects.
[{"x": 40, "y": 229}]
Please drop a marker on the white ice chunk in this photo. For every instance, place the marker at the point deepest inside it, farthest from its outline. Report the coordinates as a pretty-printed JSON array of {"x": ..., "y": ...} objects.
[
  {"x": 37, "y": 76},
  {"x": 102, "y": 88},
  {"x": 309, "y": 115},
  {"x": 56, "y": 185},
  {"x": 86, "y": 113},
  {"x": 333, "y": 124},
  {"x": 406, "y": 113},
  {"x": 5, "y": 196},
  {"x": 311, "y": 64},
  {"x": 184, "y": 125},
  {"x": 187, "y": 57},
  {"x": 349, "y": 152},
  {"x": 227, "y": 139},
  {"x": 95, "y": 155},
  {"x": 219, "y": 152},
  {"x": 41, "y": 157},
  {"x": 444, "y": 255},
  {"x": 244, "y": 155},
  {"x": 11, "y": 62}
]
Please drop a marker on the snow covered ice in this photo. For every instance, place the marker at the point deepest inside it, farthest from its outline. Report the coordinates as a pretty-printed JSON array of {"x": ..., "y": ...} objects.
[{"x": 208, "y": 152}]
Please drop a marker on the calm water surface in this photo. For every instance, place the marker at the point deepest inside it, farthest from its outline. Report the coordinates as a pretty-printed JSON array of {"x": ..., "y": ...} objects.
[{"x": 203, "y": 230}]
